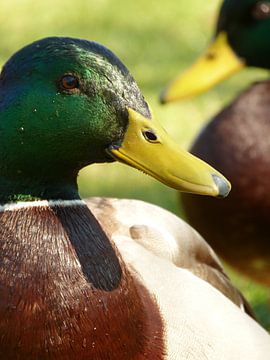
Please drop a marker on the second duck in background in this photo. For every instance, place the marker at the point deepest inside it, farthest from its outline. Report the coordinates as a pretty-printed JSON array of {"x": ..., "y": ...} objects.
[{"x": 237, "y": 228}]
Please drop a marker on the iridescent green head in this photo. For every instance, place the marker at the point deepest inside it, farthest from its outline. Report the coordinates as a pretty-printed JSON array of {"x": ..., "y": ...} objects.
[
  {"x": 63, "y": 101},
  {"x": 66, "y": 103},
  {"x": 241, "y": 39},
  {"x": 247, "y": 25}
]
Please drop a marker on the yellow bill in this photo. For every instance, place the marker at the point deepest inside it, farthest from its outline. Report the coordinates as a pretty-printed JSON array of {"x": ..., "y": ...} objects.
[
  {"x": 216, "y": 64},
  {"x": 147, "y": 147}
]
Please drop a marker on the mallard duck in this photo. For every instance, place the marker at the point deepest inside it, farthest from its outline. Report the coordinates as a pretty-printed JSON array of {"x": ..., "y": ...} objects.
[
  {"x": 236, "y": 140},
  {"x": 102, "y": 278}
]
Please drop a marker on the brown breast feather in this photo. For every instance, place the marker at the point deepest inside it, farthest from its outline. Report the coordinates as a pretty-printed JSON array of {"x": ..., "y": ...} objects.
[{"x": 65, "y": 292}]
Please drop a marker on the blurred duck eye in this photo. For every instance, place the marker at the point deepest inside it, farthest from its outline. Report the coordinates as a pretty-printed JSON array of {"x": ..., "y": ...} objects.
[
  {"x": 261, "y": 10},
  {"x": 69, "y": 82}
]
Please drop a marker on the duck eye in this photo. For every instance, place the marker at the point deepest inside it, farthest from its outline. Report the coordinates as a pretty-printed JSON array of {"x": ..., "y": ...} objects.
[
  {"x": 69, "y": 82},
  {"x": 150, "y": 135},
  {"x": 261, "y": 10}
]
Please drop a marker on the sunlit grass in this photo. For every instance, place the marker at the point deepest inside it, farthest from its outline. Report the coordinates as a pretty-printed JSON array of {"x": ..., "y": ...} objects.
[{"x": 156, "y": 40}]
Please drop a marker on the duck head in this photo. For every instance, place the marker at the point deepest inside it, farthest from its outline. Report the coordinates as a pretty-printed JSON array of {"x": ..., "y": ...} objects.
[
  {"x": 241, "y": 39},
  {"x": 66, "y": 103}
]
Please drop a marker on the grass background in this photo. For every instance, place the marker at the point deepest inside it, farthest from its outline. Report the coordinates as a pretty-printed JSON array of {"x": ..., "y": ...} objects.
[{"x": 156, "y": 40}]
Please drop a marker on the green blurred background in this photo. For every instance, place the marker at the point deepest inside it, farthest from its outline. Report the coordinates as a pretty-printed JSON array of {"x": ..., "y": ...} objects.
[{"x": 156, "y": 40}]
